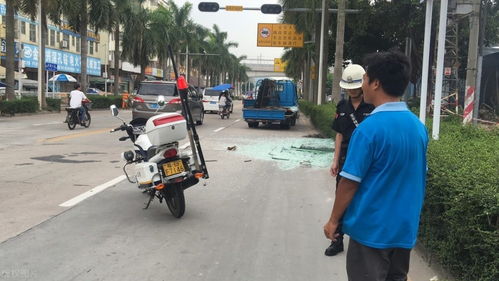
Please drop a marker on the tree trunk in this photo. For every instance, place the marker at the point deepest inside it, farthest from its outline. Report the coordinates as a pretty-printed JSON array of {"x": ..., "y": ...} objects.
[
  {"x": 338, "y": 57},
  {"x": 117, "y": 56},
  {"x": 9, "y": 63},
  {"x": 326, "y": 55},
  {"x": 315, "y": 80},
  {"x": 84, "y": 45},
  {"x": 142, "y": 72},
  {"x": 43, "y": 37}
]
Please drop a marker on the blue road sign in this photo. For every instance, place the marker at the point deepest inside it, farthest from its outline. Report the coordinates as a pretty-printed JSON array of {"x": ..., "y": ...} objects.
[{"x": 50, "y": 66}]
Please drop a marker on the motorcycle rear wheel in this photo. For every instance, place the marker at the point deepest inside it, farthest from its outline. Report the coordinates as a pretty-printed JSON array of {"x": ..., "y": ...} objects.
[
  {"x": 71, "y": 122},
  {"x": 175, "y": 200}
]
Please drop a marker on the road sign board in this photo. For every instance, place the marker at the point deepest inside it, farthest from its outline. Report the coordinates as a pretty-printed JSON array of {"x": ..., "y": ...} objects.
[
  {"x": 279, "y": 65},
  {"x": 278, "y": 35},
  {"x": 234, "y": 8},
  {"x": 50, "y": 66}
]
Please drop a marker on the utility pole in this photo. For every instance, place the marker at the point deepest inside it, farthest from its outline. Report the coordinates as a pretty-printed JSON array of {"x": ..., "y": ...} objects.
[
  {"x": 442, "y": 31},
  {"x": 471, "y": 71},
  {"x": 321, "y": 53},
  {"x": 426, "y": 61},
  {"x": 40, "y": 46},
  {"x": 338, "y": 56}
]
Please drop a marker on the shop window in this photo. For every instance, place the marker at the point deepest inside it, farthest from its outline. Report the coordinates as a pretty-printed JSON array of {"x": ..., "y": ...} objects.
[
  {"x": 78, "y": 44},
  {"x": 52, "y": 38},
  {"x": 23, "y": 27},
  {"x": 32, "y": 32}
]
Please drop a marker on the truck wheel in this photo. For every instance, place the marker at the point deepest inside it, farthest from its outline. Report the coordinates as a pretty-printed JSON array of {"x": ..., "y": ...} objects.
[
  {"x": 253, "y": 124},
  {"x": 285, "y": 125},
  {"x": 293, "y": 121}
]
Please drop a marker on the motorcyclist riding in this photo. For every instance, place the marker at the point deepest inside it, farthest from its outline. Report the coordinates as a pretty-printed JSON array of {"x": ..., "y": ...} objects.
[
  {"x": 224, "y": 101},
  {"x": 77, "y": 97}
]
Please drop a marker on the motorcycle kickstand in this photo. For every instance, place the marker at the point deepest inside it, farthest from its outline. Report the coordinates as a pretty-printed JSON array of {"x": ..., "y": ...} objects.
[{"x": 150, "y": 200}]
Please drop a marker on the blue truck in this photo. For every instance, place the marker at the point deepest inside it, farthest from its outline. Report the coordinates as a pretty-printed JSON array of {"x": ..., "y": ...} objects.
[{"x": 276, "y": 101}]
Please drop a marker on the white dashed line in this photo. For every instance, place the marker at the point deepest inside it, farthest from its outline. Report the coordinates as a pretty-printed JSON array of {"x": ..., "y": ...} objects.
[
  {"x": 50, "y": 123},
  {"x": 219, "y": 129},
  {"x": 92, "y": 192},
  {"x": 237, "y": 120}
]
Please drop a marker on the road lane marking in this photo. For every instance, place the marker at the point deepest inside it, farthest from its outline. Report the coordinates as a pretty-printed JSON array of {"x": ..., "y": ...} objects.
[
  {"x": 237, "y": 120},
  {"x": 219, "y": 129},
  {"x": 49, "y": 123},
  {"x": 77, "y": 135},
  {"x": 91, "y": 192}
]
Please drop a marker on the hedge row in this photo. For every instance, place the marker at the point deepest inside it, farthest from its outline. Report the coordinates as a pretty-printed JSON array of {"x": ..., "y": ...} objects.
[
  {"x": 23, "y": 105},
  {"x": 320, "y": 115},
  {"x": 460, "y": 218}
]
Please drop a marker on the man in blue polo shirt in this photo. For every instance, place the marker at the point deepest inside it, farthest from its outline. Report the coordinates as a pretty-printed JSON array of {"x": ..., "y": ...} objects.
[{"x": 382, "y": 190}]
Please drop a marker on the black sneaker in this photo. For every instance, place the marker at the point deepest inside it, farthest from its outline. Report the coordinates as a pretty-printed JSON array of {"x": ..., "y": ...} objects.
[{"x": 335, "y": 247}]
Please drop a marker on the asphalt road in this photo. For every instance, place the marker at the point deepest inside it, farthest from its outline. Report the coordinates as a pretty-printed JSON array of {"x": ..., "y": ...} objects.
[{"x": 258, "y": 217}]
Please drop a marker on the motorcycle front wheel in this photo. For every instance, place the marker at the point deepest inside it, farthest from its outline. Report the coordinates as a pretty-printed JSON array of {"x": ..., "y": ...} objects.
[
  {"x": 88, "y": 121},
  {"x": 175, "y": 200}
]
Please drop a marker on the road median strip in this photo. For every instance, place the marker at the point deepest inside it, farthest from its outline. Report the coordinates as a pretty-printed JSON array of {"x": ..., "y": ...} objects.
[{"x": 77, "y": 135}]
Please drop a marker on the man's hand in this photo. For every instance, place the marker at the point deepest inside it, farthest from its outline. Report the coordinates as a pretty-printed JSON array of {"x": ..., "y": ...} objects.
[
  {"x": 330, "y": 230},
  {"x": 334, "y": 169}
]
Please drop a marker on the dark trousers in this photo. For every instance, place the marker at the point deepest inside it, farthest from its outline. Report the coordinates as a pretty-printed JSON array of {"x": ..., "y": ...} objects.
[
  {"x": 370, "y": 264},
  {"x": 81, "y": 113}
]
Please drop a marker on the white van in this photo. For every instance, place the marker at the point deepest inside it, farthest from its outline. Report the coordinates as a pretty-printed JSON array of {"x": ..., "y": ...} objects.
[{"x": 210, "y": 100}]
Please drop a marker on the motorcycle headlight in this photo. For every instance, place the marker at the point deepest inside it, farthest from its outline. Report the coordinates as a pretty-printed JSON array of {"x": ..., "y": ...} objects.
[{"x": 128, "y": 156}]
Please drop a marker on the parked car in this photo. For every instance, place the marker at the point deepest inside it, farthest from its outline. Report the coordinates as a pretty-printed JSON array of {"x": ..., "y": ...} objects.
[
  {"x": 94, "y": 91},
  {"x": 144, "y": 104}
]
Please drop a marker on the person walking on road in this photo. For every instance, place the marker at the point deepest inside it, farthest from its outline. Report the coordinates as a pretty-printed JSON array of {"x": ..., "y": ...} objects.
[
  {"x": 381, "y": 192},
  {"x": 349, "y": 114}
]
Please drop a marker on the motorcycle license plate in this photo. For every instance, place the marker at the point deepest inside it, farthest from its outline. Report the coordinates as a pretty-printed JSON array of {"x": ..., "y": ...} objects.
[{"x": 173, "y": 168}]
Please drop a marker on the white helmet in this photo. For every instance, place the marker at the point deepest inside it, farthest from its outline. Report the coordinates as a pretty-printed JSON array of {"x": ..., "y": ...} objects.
[{"x": 352, "y": 77}]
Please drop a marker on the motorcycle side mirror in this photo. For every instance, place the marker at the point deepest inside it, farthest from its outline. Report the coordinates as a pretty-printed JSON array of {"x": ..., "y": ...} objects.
[
  {"x": 114, "y": 110},
  {"x": 161, "y": 100}
]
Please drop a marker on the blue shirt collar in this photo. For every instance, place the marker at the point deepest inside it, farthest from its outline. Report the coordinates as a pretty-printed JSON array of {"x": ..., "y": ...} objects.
[{"x": 391, "y": 106}]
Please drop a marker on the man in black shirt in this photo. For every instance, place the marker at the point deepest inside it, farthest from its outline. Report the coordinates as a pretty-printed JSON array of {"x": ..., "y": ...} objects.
[{"x": 349, "y": 113}]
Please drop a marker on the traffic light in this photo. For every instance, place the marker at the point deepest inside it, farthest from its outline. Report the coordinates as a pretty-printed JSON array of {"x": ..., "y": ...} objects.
[
  {"x": 271, "y": 9},
  {"x": 208, "y": 7}
]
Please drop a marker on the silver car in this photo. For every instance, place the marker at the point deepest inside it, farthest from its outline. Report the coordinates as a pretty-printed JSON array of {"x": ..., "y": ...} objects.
[{"x": 145, "y": 104}]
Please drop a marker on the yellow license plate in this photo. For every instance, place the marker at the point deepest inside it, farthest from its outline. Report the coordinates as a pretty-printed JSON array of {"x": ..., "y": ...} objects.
[{"x": 173, "y": 168}]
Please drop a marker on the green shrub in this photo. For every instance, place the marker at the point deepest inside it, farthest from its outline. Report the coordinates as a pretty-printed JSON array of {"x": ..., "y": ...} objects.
[
  {"x": 104, "y": 101},
  {"x": 320, "y": 115},
  {"x": 460, "y": 220},
  {"x": 23, "y": 105},
  {"x": 53, "y": 104}
]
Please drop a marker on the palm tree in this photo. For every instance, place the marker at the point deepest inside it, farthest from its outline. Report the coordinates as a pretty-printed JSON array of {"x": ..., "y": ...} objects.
[
  {"x": 118, "y": 14},
  {"x": 48, "y": 7},
  {"x": 221, "y": 47},
  {"x": 80, "y": 14},
  {"x": 163, "y": 29},
  {"x": 12, "y": 6},
  {"x": 139, "y": 42},
  {"x": 179, "y": 39},
  {"x": 308, "y": 23}
]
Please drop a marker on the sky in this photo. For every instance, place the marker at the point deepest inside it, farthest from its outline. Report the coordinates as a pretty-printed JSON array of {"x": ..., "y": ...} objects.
[{"x": 241, "y": 27}]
